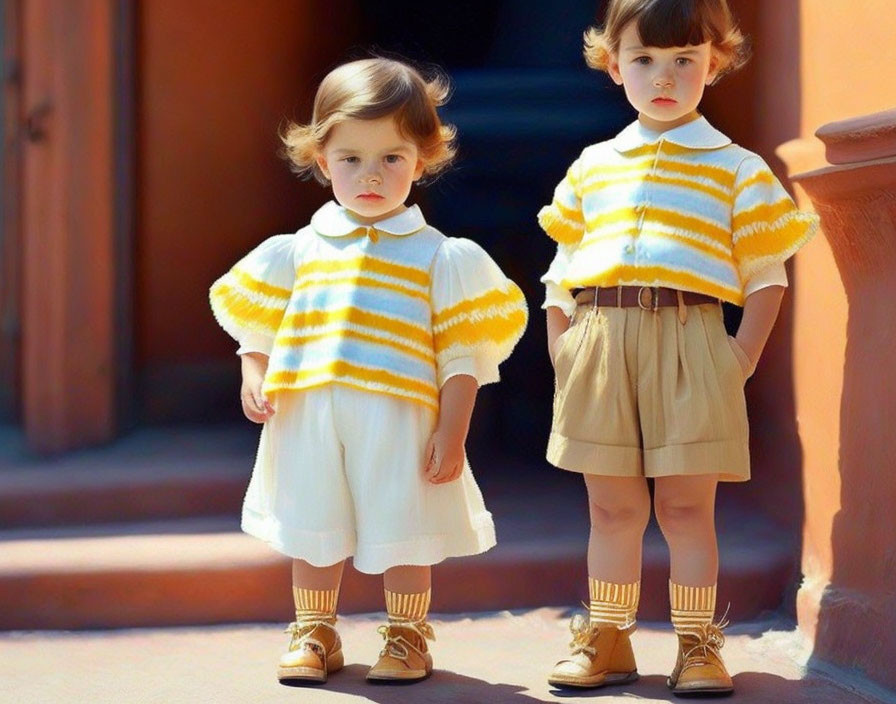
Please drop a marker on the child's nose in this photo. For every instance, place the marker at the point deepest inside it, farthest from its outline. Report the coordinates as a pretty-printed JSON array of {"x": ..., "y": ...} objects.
[
  {"x": 663, "y": 79},
  {"x": 371, "y": 176}
]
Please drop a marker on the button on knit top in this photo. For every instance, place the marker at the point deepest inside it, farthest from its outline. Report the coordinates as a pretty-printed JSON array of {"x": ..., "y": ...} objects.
[
  {"x": 395, "y": 307},
  {"x": 685, "y": 208}
]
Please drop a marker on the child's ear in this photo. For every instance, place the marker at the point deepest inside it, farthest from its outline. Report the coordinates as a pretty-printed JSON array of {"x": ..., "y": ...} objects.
[
  {"x": 613, "y": 68},
  {"x": 322, "y": 165},
  {"x": 715, "y": 64},
  {"x": 418, "y": 169}
]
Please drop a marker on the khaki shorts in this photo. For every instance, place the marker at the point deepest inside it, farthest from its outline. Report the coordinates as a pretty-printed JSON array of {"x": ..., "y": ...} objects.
[{"x": 639, "y": 393}]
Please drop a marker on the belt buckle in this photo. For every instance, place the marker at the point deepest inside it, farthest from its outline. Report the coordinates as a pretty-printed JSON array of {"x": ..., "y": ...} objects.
[{"x": 652, "y": 300}]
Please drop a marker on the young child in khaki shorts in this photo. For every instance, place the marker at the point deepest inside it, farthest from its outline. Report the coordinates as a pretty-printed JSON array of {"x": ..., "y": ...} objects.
[{"x": 654, "y": 228}]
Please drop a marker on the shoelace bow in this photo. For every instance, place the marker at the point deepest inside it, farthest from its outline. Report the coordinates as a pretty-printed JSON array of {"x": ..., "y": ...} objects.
[
  {"x": 582, "y": 635},
  {"x": 710, "y": 639},
  {"x": 395, "y": 640},
  {"x": 300, "y": 630}
]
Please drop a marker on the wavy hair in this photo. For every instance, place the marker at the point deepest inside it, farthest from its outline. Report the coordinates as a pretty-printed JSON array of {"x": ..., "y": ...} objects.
[
  {"x": 666, "y": 23},
  {"x": 369, "y": 89}
]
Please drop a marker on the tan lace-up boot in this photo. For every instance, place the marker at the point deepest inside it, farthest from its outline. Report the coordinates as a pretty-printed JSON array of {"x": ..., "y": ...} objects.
[
  {"x": 601, "y": 654},
  {"x": 315, "y": 650},
  {"x": 405, "y": 656},
  {"x": 699, "y": 668}
]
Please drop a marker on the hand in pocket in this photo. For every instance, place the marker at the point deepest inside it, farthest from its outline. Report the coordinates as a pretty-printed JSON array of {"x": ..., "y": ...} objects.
[{"x": 747, "y": 365}]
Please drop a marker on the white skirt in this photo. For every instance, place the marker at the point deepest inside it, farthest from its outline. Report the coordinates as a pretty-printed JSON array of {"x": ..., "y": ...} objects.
[{"x": 339, "y": 473}]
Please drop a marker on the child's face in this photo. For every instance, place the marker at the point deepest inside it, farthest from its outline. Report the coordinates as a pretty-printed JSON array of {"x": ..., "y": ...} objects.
[
  {"x": 664, "y": 85},
  {"x": 371, "y": 167}
]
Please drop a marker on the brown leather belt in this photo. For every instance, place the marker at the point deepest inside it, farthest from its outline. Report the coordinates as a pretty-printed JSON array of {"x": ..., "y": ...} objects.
[{"x": 645, "y": 297}]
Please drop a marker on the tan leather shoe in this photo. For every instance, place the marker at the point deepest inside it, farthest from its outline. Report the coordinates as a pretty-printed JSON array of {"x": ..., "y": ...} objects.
[
  {"x": 315, "y": 650},
  {"x": 405, "y": 656},
  {"x": 601, "y": 654},
  {"x": 699, "y": 669}
]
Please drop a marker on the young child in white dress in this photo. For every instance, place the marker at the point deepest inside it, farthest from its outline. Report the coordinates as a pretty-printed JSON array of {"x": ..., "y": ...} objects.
[{"x": 364, "y": 337}]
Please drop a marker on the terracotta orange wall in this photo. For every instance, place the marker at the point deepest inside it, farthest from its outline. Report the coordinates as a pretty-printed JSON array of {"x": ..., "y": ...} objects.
[
  {"x": 847, "y": 59},
  {"x": 847, "y": 68},
  {"x": 216, "y": 79},
  {"x": 842, "y": 382}
]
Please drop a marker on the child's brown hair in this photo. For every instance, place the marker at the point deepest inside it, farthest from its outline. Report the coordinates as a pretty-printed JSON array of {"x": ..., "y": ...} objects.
[
  {"x": 369, "y": 89},
  {"x": 666, "y": 23}
]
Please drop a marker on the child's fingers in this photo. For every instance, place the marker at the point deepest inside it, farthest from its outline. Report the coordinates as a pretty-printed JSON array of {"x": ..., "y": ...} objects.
[
  {"x": 253, "y": 410},
  {"x": 449, "y": 476},
  {"x": 252, "y": 414},
  {"x": 429, "y": 457}
]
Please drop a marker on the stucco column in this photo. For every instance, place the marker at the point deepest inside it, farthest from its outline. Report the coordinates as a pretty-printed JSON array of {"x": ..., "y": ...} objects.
[{"x": 845, "y": 390}]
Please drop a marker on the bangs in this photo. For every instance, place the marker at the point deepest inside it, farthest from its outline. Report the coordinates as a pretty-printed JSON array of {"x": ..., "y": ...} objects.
[{"x": 682, "y": 23}]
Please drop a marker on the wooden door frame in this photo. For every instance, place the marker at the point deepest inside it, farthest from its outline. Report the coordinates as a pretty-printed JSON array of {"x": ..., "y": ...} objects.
[
  {"x": 10, "y": 227},
  {"x": 77, "y": 220}
]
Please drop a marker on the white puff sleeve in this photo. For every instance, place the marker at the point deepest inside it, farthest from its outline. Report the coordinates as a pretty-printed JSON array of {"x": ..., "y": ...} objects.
[
  {"x": 478, "y": 313},
  {"x": 249, "y": 301}
]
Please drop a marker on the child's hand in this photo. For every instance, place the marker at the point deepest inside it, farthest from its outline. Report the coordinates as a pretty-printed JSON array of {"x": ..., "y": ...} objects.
[
  {"x": 558, "y": 323},
  {"x": 255, "y": 406},
  {"x": 443, "y": 458}
]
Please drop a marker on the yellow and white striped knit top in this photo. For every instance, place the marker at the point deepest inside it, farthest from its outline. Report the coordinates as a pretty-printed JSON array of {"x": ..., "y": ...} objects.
[
  {"x": 394, "y": 308},
  {"x": 684, "y": 208}
]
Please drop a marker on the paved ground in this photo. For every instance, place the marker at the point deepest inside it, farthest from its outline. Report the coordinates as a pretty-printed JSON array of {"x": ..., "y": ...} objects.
[{"x": 494, "y": 658}]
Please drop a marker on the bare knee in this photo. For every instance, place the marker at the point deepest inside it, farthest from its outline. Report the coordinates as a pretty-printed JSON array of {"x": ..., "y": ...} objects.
[
  {"x": 682, "y": 516},
  {"x": 617, "y": 517}
]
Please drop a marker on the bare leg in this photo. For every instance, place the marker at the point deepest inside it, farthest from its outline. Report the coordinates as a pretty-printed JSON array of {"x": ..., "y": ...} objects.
[
  {"x": 685, "y": 510},
  {"x": 619, "y": 509},
  {"x": 307, "y": 576},
  {"x": 407, "y": 579},
  {"x": 602, "y": 651}
]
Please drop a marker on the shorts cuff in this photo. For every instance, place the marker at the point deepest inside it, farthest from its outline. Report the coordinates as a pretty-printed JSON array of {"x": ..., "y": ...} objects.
[
  {"x": 375, "y": 558},
  {"x": 318, "y": 548},
  {"x": 730, "y": 459},
  {"x": 592, "y": 458}
]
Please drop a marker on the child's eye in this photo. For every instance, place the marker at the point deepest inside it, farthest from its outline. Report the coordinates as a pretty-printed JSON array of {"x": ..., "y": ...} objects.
[
  {"x": 393, "y": 158},
  {"x": 683, "y": 61},
  {"x": 643, "y": 60},
  {"x": 351, "y": 159}
]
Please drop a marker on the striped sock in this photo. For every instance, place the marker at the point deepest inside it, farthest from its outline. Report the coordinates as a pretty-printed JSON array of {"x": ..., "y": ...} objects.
[
  {"x": 315, "y": 604},
  {"x": 691, "y": 607},
  {"x": 612, "y": 603},
  {"x": 407, "y": 607}
]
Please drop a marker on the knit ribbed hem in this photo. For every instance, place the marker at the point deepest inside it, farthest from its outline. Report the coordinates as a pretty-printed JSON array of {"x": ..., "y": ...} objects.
[
  {"x": 314, "y": 603},
  {"x": 410, "y": 607},
  {"x": 612, "y": 603},
  {"x": 692, "y": 607}
]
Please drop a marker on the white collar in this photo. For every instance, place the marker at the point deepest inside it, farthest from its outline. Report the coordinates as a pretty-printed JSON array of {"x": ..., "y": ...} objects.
[
  {"x": 696, "y": 134},
  {"x": 332, "y": 220}
]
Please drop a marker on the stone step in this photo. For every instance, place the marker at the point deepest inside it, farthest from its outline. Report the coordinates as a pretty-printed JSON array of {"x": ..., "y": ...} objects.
[
  {"x": 204, "y": 571},
  {"x": 145, "y": 533},
  {"x": 152, "y": 474}
]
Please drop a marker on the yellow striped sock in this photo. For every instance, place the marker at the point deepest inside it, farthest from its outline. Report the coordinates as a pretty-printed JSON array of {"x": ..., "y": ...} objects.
[
  {"x": 407, "y": 607},
  {"x": 314, "y": 603},
  {"x": 691, "y": 606},
  {"x": 612, "y": 603}
]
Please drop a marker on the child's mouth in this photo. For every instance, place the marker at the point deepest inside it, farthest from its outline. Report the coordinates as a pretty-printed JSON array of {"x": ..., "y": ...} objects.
[
  {"x": 664, "y": 101},
  {"x": 370, "y": 196}
]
